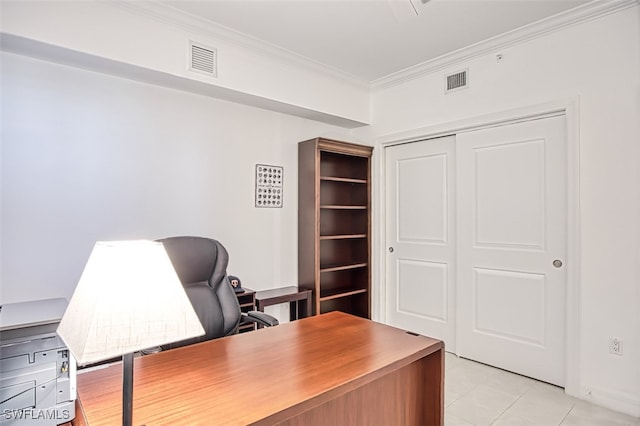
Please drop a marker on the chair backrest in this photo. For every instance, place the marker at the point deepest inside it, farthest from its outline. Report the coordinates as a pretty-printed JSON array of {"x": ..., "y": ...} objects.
[{"x": 201, "y": 265}]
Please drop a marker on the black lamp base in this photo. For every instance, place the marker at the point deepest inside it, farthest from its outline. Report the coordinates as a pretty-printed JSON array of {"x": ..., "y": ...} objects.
[{"x": 127, "y": 389}]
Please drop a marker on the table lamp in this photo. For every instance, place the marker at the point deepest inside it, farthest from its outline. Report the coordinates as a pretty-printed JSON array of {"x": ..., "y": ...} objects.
[{"x": 128, "y": 298}]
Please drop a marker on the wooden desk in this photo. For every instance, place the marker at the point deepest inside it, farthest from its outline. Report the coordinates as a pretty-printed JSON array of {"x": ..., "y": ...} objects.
[
  {"x": 292, "y": 294},
  {"x": 331, "y": 369}
]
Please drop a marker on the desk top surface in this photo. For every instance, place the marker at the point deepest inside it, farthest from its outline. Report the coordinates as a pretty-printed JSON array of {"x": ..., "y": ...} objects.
[
  {"x": 282, "y": 291},
  {"x": 267, "y": 375}
]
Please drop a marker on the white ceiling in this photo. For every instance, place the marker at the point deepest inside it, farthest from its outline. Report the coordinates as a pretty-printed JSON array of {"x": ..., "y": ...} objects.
[{"x": 371, "y": 39}]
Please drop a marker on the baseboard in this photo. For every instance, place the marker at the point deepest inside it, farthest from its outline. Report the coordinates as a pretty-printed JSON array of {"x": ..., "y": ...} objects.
[{"x": 618, "y": 401}]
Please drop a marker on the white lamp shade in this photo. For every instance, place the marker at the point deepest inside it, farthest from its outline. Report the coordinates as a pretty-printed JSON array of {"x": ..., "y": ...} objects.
[{"x": 128, "y": 298}]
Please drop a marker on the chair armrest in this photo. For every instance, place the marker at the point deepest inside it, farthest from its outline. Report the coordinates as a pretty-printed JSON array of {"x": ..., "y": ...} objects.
[
  {"x": 152, "y": 350},
  {"x": 260, "y": 318}
]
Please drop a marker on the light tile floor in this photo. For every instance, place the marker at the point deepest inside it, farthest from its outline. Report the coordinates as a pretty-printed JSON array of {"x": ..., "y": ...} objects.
[{"x": 479, "y": 395}]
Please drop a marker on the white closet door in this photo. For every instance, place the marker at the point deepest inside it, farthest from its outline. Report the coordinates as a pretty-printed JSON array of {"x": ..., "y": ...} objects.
[
  {"x": 420, "y": 212},
  {"x": 511, "y": 245}
]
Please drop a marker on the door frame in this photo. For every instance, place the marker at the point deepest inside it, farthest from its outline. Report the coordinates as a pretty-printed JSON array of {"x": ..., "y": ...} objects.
[{"x": 569, "y": 108}]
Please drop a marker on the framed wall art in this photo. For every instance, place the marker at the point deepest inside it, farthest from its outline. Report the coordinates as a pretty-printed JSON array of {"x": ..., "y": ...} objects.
[{"x": 269, "y": 180}]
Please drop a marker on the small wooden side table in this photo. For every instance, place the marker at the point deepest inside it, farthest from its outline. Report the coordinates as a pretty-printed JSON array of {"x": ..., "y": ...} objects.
[
  {"x": 291, "y": 294},
  {"x": 246, "y": 300}
]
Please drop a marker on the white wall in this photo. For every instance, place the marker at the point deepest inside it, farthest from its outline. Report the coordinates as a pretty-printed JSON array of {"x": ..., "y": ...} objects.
[
  {"x": 88, "y": 157},
  {"x": 598, "y": 62},
  {"x": 148, "y": 37}
]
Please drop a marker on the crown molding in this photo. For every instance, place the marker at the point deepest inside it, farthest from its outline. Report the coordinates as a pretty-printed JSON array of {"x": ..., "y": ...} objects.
[
  {"x": 589, "y": 11},
  {"x": 200, "y": 26}
]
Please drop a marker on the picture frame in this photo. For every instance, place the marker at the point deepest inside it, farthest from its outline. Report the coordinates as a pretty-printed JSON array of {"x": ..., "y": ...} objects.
[{"x": 269, "y": 186}]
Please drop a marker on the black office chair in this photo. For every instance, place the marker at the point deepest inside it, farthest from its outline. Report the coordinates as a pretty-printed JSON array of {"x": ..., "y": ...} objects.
[{"x": 201, "y": 265}]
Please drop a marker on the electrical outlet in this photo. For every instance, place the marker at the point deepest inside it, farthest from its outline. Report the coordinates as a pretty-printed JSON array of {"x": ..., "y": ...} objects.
[{"x": 615, "y": 346}]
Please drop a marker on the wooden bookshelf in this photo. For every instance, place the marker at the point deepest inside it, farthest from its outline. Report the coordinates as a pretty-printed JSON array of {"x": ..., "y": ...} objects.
[{"x": 334, "y": 225}]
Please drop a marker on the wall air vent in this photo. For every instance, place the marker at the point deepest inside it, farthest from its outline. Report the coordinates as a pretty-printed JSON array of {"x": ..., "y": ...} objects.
[
  {"x": 203, "y": 59},
  {"x": 456, "y": 81}
]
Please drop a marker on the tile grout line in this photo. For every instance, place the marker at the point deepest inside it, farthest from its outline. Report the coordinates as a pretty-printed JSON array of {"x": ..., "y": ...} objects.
[
  {"x": 510, "y": 405},
  {"x": 567, "y": 415}
]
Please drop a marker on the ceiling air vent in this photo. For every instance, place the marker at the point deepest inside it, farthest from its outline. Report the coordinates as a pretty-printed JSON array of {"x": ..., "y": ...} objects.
[
  {"x": 203, "y": 59},
  {"x": 456, "y": 81}
]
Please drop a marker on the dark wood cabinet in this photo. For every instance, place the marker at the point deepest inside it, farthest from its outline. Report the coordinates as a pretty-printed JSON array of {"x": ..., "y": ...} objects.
[
  {"x": 247, "y": 301},
  {"x": 334, "y": 225}
]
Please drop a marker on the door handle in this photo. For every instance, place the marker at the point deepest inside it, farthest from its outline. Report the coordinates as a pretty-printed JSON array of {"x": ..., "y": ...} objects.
[
  {"x": 390, "y": 249},
  {"x": 557, "y": 263}
]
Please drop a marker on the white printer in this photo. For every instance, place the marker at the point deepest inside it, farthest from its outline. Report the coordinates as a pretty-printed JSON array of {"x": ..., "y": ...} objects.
[{"x": 37, "y": 371}]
